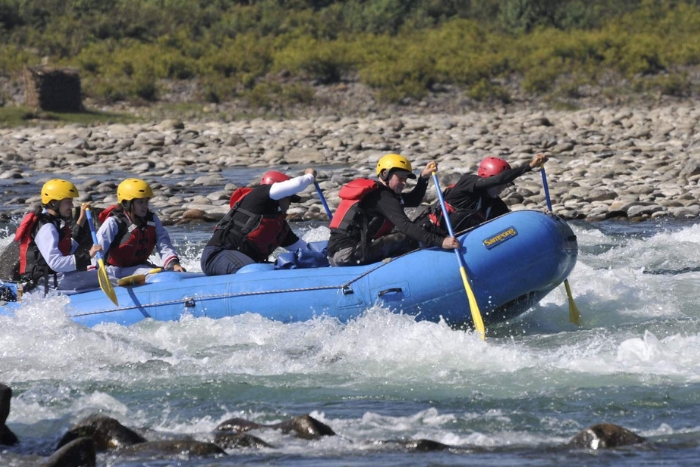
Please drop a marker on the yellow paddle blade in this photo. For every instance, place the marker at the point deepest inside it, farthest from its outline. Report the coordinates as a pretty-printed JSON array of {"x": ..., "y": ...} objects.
[
  {"x": 137, "y": 279},
  {"x": 105, "y": 284},
  {"x": 473, "y": 306},
  {"x": 574, "y": 315}
]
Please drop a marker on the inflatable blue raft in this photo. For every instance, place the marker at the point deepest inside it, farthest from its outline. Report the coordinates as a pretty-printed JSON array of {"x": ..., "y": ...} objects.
[{"x": 512, "y": 261}]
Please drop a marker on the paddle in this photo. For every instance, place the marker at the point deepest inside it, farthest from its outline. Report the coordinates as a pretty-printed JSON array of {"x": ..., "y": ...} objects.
[
  {"x": 137, "y": 279},
  {"x": 323, "y": 201},
  {"x": 574, "y": 315},
  {"x": 473, "y": 306},
  {"x": 105, "y": 284}
]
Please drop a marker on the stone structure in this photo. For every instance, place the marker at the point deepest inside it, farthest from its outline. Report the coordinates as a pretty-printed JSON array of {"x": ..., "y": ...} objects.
[{"x": 52, "y": 89}]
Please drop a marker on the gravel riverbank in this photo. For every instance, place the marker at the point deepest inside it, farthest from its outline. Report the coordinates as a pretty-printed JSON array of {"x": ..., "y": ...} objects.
[{"x": 604, "y": 162}]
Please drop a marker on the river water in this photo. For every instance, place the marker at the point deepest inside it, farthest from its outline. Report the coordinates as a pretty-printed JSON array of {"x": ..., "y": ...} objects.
[{"x": 514, "y": 399}]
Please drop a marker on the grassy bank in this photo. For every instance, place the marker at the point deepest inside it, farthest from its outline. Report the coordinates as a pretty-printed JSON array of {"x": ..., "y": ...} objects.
[{"x": 270, "y": 52}]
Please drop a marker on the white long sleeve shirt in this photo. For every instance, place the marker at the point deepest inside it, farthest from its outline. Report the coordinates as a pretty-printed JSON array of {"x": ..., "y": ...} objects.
[{"x": 110, "y": 228}]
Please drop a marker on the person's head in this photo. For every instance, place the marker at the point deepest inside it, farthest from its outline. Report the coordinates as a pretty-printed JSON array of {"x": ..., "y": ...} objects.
[
  {"x": 133, "y": 195},
  {"x": 57, "y": 197},
  {"x": 490, "y": 167},
  {"x": 393, "y": 170},
  {"x": 273, "y": 176}
]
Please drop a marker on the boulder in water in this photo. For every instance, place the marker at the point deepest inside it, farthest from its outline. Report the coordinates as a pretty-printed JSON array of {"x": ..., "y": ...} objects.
[
  {"x": 106, "y": 432},
  {"x": 229, "y": 440},
  {"x": 7, "y": 437},
  {"x": 304, "y": 426},
  {"x": 605, "y": 435},
  {"x": 78, "y": 453},
  {"x": 175, "y": 447}
]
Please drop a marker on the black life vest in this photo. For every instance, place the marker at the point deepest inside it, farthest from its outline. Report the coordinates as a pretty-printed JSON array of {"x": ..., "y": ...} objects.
[
  {"x": 32, "y": 265},
  {"x": 461, "y": 218},
  {"x": 262, "y": 233},
  {"x": 132, "y": 245}
]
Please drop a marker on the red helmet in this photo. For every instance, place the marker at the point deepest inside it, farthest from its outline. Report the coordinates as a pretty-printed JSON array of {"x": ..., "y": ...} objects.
[
  {"x": 491, "y": 166},
  {"x": 273, "y": 176}
]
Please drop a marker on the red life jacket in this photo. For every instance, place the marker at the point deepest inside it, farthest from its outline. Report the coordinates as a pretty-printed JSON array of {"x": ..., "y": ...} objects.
[
  {"x": 348, "y": 214},
  {"x": 132, "y": 245},
  {"x": 30, "y": 259},
  {"x": 238, "y": 195},
  {"x": 264, "y": 233},
  {"x": 435, "y": 214}
]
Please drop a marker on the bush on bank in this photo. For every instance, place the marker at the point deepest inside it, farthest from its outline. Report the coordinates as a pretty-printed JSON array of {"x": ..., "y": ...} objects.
[{"x": 401, "y": 48}]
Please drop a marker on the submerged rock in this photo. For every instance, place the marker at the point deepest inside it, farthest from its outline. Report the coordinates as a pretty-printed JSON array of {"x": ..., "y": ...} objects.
[
  {"x": 7, "y": 437},
  {"x": 419, "y": 445},
  {"x": 303, "y": 426},
  {"x": 175, "y": 447},
  {"x": 106, "y": 432},
  {"x": 78, "y": 453},
  {"x": 605, "y": 435},
  {"x": 239, "y": 425},
  {"x": 229, "y": 440}
]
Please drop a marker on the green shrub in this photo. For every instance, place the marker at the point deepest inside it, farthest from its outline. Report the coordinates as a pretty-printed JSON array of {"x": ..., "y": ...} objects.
[
  {"x": 677, "y": 85},
  {"x": 325, "y": 62},
  {"x": 485, "y": 91},
  {"x": 263, "y": 94},
  {"x": 297, "y": 93},
  {"x": 401, "y": 48}
]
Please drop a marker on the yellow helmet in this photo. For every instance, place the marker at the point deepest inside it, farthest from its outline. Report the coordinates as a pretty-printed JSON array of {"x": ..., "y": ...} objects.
[
  {"x": 394, "y": 162},
  {"x": 57, "y": 190},
  {"x": 133, "y": 188}
]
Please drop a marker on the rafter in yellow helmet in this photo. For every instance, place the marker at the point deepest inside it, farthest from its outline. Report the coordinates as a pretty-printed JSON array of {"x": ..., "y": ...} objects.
[
  {"x": 393, "y": 161},
  {"x": 133, "y": 188},
  {"x": 58, "y": 189}
]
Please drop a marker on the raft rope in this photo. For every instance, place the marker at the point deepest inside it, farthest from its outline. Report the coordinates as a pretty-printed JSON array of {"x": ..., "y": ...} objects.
[{"x": 238, "y": 294}]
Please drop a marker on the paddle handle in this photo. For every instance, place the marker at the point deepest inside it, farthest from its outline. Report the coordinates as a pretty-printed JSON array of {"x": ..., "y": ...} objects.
[
  {"x": 323, "y": 201},
  {"x": 88, "y": 214},
  {"x": 545, "y": 185}
]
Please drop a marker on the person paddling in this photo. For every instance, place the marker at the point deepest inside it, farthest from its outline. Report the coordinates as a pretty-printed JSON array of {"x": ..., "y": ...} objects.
[
  {"x": 256, "y": 224},
  {"x": 474, "y": 199},
  {"x": 49, "y": 246},
  {"x": 361, "y": 230},
  {"x": 130, "y": 232}
]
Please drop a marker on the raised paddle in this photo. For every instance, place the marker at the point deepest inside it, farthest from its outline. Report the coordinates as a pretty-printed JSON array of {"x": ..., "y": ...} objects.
[
  {"x": 473, "y": 306},
  {"x": 323, "y": 201},
  {"x": 574, "y": 315},
  {"x": 105, "y": 284}
]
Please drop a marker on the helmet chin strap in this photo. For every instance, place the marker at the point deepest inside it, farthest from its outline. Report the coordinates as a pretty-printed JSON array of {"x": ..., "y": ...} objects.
[
  {"x": 128, "y": 207},
  {"x": 53, "y": 205}
]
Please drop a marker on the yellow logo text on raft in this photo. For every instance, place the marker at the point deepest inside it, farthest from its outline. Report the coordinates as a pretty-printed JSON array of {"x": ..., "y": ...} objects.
[{"x": 501, "y": 237}]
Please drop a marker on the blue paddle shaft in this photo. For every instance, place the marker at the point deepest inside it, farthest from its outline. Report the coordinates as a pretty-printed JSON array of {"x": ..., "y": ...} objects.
[
  {"x": 446, "y": 216},
  {"x": 92, "y": 231},
  {"x": 546, "y": 190},
  {"x": 323, "y": 201}
]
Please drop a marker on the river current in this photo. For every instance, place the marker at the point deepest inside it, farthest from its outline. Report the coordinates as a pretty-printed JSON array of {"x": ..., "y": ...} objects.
[{"x": 514, "y": 399}]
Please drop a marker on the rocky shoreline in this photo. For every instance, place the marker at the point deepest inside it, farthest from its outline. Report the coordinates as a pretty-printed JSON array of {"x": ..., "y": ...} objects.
[{"x": 634, "y": 163}]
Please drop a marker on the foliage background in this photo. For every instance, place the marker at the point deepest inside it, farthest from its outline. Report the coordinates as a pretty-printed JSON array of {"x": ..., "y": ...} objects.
[{"x": 277, "y": 50}]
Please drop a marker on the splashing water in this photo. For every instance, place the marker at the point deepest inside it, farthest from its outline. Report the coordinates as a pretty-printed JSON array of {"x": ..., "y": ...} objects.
[{"x": 533, "y": 384}]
